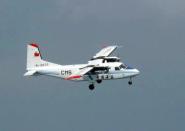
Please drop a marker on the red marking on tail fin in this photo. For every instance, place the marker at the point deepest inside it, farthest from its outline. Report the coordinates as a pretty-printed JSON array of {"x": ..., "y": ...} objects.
[
  {"x": 34, "y": 45},
  {"x": 36, "y": 54}
]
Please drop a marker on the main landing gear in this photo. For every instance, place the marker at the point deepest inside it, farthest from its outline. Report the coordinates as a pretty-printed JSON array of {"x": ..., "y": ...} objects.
[
  {"x": 91, "y": 87},
  {"x": 98, "y": 81}
]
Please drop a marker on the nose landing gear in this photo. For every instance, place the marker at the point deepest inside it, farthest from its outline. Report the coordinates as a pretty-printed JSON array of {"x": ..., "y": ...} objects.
[{"x": 130, "y": 82}]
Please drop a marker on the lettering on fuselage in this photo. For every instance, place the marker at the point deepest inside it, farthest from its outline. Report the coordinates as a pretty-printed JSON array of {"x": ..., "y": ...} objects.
[
  {"x": 104, "y": 77},
  {"x": 41, "y": 65},
  {"x": 66, "y": 72}
]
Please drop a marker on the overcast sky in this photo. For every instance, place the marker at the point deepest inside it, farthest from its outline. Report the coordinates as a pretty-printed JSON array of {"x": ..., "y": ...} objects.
[{"x": 152, "y": 33}]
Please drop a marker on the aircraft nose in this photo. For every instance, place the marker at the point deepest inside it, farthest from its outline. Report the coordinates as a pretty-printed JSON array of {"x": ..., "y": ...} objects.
[{"x": 137, "y": 72}]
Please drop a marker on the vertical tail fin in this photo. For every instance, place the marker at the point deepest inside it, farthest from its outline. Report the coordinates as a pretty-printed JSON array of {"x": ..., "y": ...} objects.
[{"x": 33, "y": 56}]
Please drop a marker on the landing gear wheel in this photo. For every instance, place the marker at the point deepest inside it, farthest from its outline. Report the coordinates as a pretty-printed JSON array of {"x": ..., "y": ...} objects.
[
  {"x": 91, "y": 87},
  {"x": 130, "y": 82},
  {"x": 98, "y": 81}
]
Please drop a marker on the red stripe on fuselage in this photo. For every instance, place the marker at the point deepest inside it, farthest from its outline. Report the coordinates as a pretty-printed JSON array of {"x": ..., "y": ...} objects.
[
  {"x": 36, "y": 54},
  {"x": 73, "y": 77}
]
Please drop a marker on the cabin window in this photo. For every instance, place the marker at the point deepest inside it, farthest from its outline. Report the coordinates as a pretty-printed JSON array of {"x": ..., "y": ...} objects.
[
  {"x": 116, "y": 68},
  {"x": 122, "y": 66}
]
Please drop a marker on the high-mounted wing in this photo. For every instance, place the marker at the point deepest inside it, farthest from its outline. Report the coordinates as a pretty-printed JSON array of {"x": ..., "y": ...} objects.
[
  {"x": 105, "y": 52},
  {"x": 80, "y": 73}
]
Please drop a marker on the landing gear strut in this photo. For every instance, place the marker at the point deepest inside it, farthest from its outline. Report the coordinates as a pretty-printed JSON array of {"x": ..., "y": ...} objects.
[{"x": 91, "y": 87}]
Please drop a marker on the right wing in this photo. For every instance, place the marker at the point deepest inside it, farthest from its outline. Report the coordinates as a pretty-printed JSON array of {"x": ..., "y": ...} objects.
[
  {"x": 91, "y": 69},
  {"x": 107, "y": 51},
  {"x": 80, "y": 73}
]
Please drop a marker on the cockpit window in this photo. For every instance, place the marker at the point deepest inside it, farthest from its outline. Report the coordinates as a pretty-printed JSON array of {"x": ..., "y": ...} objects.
[
  {"x": 116, "y": 68},
  {"x": 122, "y": 66},
  {"x": 113, "y": 60}
]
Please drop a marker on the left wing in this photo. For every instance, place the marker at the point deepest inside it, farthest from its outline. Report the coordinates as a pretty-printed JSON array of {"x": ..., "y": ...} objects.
[
  {"x": 80, "y": 73},
  {"x": 105, "y": 52}
]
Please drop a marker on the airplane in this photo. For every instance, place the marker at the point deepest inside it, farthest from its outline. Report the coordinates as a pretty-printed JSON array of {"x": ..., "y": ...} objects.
[{"x": 102, "y": 66}]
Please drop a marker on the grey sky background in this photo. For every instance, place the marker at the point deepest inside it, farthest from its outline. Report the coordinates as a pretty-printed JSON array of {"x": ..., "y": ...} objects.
[{"x": 72, "y": 31}]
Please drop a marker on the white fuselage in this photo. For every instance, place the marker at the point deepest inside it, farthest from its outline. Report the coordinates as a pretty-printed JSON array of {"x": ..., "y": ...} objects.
[
  {"x": 102, "y": 66},
  {"x": 114, "y": 72}
]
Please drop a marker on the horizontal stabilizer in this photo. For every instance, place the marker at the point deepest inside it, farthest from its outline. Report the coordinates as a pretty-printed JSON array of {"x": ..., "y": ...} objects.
[{"x": 30, "y": 73}]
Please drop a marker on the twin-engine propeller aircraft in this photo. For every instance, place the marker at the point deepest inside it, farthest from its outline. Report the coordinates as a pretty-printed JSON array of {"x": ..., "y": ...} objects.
[{"x": 101, "y": 67}]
